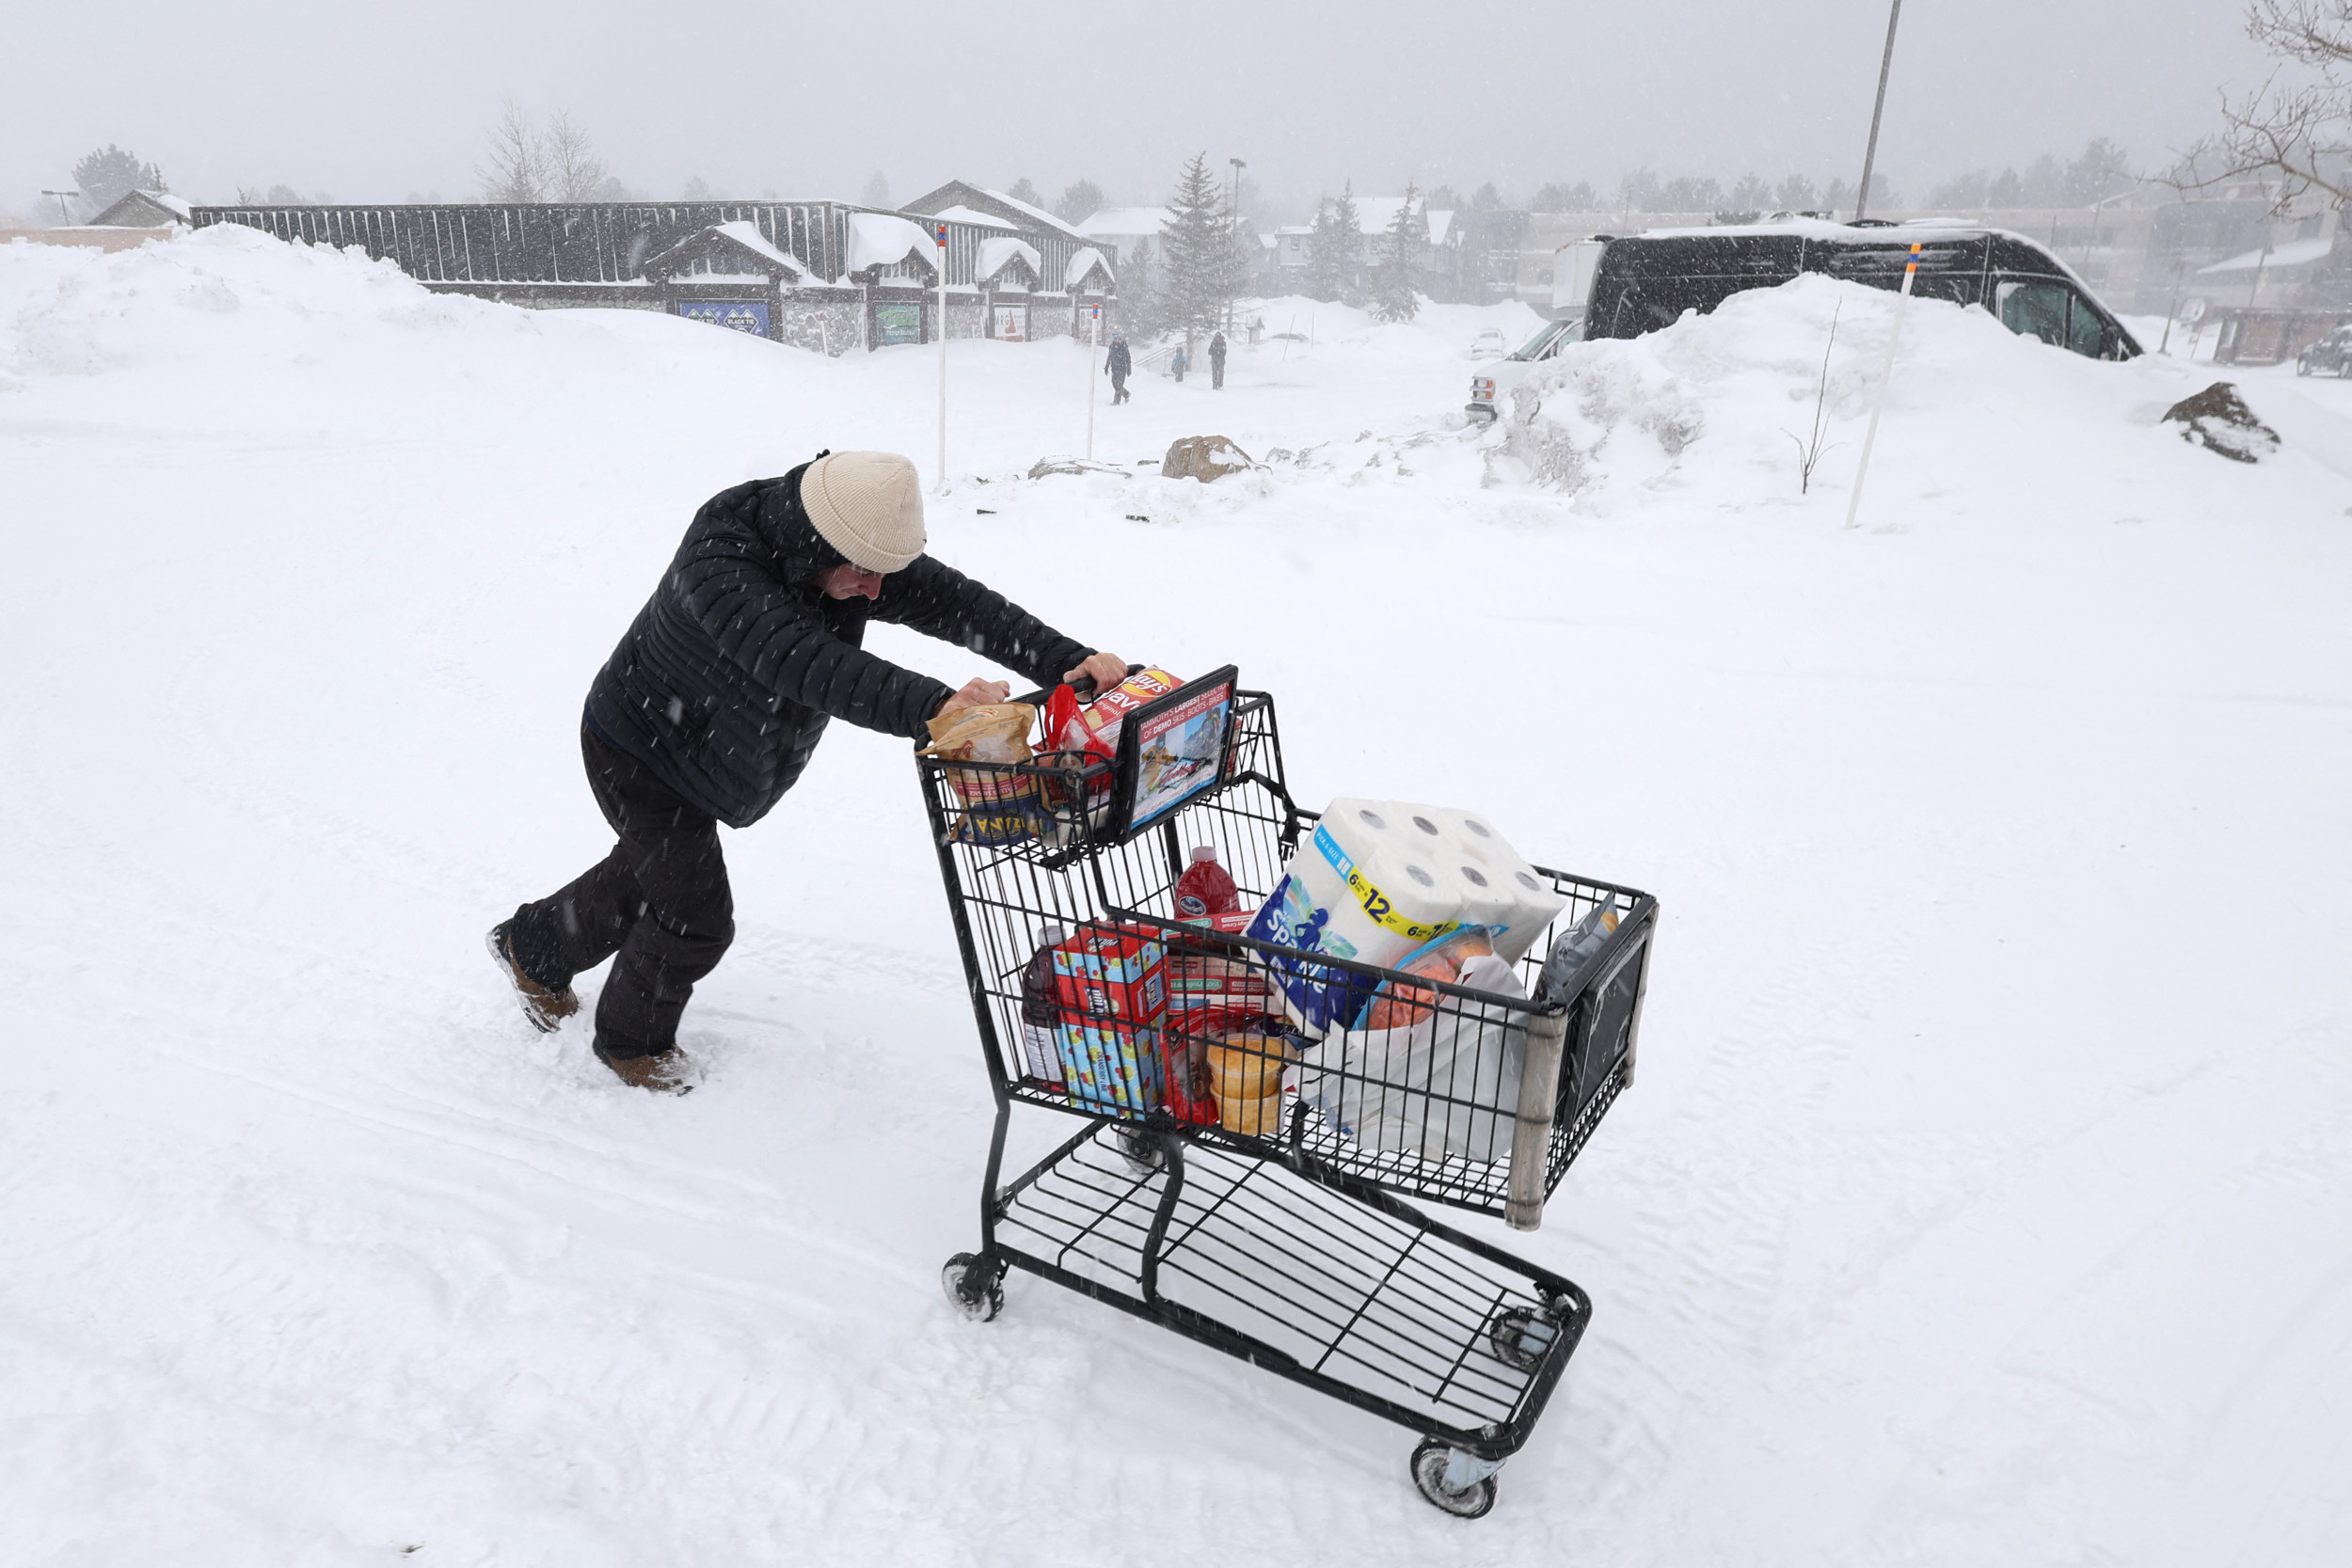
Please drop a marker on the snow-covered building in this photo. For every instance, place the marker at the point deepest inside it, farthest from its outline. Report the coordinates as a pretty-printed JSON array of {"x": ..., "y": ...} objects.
[
  {"x": 1127, "y": 234},
  {"x": 729, "y": 275},
  {"x": 979, "y": 221},
  {"x": 825, "y": 275},
  {"x": 144, "y": 210}
]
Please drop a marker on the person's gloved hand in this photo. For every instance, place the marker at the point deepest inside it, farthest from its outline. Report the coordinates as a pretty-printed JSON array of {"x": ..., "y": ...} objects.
[
  {"x": 976, "y": 692},
  {"x": 1105, "y": 669}
]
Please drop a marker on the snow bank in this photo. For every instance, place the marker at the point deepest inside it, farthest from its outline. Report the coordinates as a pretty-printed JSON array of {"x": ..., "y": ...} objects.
[
  {"x": 1714, "y": 409},
  {"x": 223, "y": 293}
]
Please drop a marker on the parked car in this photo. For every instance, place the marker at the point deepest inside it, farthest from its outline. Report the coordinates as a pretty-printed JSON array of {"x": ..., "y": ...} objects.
[
  {"x": 1625, "y": 288},
  {"x": 1488, "y": 345},
  {"x": 1492, "y": 384},
  {"x": 2331, "y": 354}
]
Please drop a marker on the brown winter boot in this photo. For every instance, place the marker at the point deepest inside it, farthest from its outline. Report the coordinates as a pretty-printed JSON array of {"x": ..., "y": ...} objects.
[
  {"x": 546, "y": 1009},
  {"x": 662, "y": 1071}
]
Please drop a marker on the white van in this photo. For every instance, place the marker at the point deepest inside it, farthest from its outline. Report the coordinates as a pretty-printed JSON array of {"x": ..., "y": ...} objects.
[{"x": 1572, "y": 269}]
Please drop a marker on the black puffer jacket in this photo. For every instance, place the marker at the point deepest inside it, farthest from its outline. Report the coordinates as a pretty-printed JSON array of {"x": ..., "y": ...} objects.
[{"x": 724, "y": 682}]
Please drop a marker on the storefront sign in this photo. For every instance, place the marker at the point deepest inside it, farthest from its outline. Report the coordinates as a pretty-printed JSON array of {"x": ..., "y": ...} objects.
[
  {"x": 898, "y": 323},
  {"x": 1009, "y": 320},
  {"x": 748, "y": 315}
]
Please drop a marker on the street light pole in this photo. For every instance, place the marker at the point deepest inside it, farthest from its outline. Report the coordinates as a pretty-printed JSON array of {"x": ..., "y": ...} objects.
[
  {"x": 63, "y": 216},
  {"x": 1233, "y": 239},
  {"x": 1878, "y": 111}
]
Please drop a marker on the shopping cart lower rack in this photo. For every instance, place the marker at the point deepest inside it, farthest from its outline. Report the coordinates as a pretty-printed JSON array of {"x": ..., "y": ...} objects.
[{"x": 1281, "y": 1237}]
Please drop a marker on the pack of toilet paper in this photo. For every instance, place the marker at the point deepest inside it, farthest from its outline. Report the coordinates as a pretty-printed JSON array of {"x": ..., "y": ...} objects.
[{"x": 1377, "y": 880}]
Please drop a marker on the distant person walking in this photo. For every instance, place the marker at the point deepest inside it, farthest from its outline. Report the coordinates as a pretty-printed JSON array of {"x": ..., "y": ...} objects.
[
  {"x": 1216, "y": 361},
  {"x": 1178, "y": 364},
  {"x": 1121, "y": 365}
]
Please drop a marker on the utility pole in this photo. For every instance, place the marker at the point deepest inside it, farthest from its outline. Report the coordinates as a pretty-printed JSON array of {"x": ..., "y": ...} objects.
[
  {"x": 1232, "y": 237},
  {"x": 1878, "y": 112},
  {"x": 1094, "y": 344},
  {"x": 939, "y": 231}
]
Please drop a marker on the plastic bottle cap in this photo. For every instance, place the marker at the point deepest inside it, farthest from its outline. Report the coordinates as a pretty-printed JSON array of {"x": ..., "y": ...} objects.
[
  {"x": 1203, "y": 853},
  {"x": 1051, "y": 936}
]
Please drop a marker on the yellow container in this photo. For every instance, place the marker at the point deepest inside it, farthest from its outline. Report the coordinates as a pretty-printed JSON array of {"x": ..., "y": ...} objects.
[
  {"x": 1248, "y": 1067},
  {"x": 1260, "y": 1117}
]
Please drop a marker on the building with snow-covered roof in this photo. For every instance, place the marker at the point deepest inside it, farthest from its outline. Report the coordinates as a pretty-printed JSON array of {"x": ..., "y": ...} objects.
[
  {"x": 144, "y": 210},
  {"x": 1127, "y": 234},
  {"x": 823, "y": 275}
]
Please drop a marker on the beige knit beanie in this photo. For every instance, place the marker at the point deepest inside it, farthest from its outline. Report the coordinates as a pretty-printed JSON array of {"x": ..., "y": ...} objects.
[{"x": 868, "y": 505}]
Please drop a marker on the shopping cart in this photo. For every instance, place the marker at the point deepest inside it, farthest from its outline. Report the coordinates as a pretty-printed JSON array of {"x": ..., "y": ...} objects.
[{"x": 1280, "y": 1235}]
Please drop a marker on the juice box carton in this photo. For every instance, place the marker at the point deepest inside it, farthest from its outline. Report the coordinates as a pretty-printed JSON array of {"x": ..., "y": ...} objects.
[{"x": 1111, "y": 983}]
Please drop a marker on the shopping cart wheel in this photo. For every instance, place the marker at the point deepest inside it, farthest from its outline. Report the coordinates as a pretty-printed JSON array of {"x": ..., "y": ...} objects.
[
  {"x": 1432, "y": 1460},
  {"x": 1520, "y": 1337},
  {"x": 975, "y": 1287},
  {"x": 1140, "y": 1149}
]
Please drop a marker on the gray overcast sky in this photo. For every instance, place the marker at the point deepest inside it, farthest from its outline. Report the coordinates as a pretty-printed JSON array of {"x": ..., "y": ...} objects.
[{"x": 373, "y": 100}]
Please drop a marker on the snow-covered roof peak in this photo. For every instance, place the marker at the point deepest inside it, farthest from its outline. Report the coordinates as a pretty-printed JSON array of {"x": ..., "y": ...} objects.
[
  {"x": 1039, "y": 214},
  {"x": 749, "y": 238},
  {"x": 883, "y": 239},
  {"x": 974, "y": 217}
]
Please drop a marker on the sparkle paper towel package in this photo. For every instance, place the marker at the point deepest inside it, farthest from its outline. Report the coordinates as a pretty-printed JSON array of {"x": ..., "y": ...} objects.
[
  {"x": 1362, "y": 889},
  {"x": 1379, "y": 879},
  {"x": 1510, "y": 894}
]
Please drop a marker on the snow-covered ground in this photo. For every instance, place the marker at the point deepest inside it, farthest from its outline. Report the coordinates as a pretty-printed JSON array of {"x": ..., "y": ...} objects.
[{"x": 1986, "y": 1196}]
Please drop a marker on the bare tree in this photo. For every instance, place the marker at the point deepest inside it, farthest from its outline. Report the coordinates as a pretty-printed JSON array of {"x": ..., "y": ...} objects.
[
  {"x": 518, "y": 167},
  {"x": 1810, "y": 452},
  {"x": 574, "y": 171},
  {"x": 2296, "y": 136}
]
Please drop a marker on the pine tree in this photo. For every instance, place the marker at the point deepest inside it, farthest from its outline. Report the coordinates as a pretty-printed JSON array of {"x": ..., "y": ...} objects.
[
  {"x": 1335, "y": 247},
  {"x": 1196, "y": 250},
  {"x": 1400, "y": 248},
  {"x": 1080, "y": 202},
  {"x": 109, "y": 174}
]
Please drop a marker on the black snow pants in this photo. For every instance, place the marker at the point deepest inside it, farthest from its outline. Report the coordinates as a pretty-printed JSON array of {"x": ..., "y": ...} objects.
[
  {"x": 1119, "y": 388},
  {"x": 660, "y": 901},
  {"x": 1216, "y": 371}
]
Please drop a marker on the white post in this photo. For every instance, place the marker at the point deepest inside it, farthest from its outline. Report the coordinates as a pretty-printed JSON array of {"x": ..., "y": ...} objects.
[
  {"x": 1886, "y": 373},
  {"x": 1094, "y": 342},
  {"x": 941, "y": 230}
]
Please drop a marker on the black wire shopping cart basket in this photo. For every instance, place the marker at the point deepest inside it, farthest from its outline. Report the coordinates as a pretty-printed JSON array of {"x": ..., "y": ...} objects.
[{"x": 1244, "y": 1184}]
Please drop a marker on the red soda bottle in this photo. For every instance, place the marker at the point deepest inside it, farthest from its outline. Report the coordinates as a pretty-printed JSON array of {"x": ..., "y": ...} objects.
[
  {"x": 1205, "y": 889},
  {"x": 1041, "y": 1013}
]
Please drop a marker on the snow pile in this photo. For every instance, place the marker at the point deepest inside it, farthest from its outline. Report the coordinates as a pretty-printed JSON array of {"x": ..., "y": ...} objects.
[
  {"x": 1717, "y": 408},
  {"x": 225, "y": 292}
]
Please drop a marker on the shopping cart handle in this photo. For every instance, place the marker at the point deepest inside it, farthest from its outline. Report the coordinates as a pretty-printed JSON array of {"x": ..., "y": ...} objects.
[{"x": 1084, "y": 687}]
